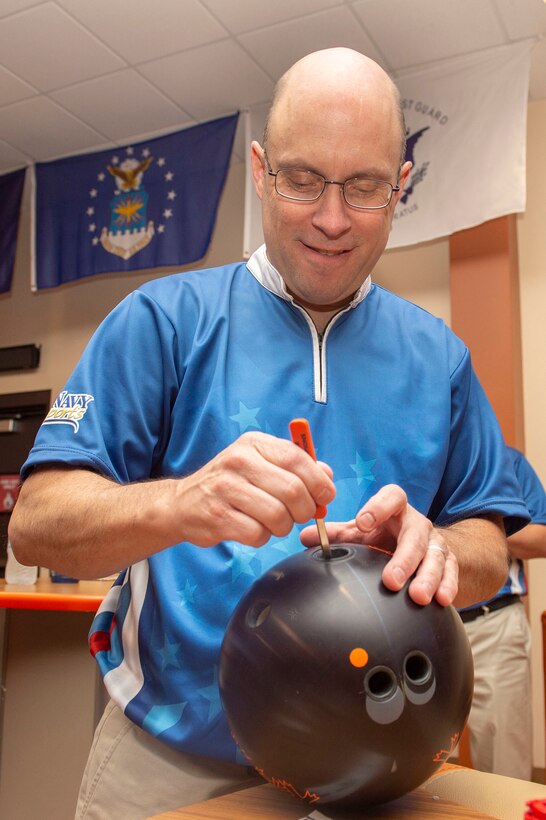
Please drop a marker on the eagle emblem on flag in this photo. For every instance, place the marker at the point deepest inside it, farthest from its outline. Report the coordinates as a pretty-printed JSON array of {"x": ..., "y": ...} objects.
[{"x": 129, "y": 229}]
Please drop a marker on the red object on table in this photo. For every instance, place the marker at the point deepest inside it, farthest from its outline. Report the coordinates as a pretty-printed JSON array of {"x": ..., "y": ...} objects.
[{"x": 536, "y": 810}]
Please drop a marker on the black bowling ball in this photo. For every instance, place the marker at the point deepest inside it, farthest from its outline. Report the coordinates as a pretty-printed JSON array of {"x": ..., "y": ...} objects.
[{"x": 338, "y": 690}]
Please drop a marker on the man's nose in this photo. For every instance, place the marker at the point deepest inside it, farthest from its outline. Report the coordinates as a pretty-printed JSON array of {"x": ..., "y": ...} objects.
[{"x": 331, "y": 214}]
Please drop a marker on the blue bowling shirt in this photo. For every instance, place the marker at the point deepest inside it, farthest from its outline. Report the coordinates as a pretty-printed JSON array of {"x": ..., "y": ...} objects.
[{"x": 184, "y": 366}]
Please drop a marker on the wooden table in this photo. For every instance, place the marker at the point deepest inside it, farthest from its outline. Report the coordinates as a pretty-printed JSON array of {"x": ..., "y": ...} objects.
[{"x": 266, "y": 802}]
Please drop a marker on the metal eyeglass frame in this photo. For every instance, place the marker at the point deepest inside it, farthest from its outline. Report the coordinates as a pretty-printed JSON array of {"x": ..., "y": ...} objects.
[{"x": 326, "y": 182}]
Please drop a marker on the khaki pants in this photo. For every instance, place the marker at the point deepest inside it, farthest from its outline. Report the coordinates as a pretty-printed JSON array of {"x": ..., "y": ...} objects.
[
  {"x": 131, "y": 775},
  {"x": 500, "y": 723}
]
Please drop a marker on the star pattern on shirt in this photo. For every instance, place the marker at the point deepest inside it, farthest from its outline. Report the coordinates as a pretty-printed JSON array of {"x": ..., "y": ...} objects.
[
  {"x": 363, "y": 470},
  {"x": 286, "y": 545},
  {"x": 211, "y": 694},
  {"x": 246, "y": 417},
  {"x": 161, "y": 718},
  {"x": 168, "y": 654},
  {"x": 186, "y": 596},
  {"x": 241, "y": 561}
]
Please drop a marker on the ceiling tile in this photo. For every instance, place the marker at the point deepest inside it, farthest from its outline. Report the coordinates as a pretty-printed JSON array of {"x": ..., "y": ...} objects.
[
  {"x": 198, "y": 59},
  {"x": 49, "y": 50},
  {"x": 39, "y": 128},
  {"x": 275, "y": 48},
  {"x": 121, "y": 105},
  {"x": 12, "y": 6},
  {"x": 240, "y": 15},
  {"x": 140, "y": 30},
  {"x": 211, "y": 80},
  {"x": 12, "y": 89},
  {"x": 11, "y": 158},
  {"x": 422, "y": 35},
  {"x": 524, "y": 18}
]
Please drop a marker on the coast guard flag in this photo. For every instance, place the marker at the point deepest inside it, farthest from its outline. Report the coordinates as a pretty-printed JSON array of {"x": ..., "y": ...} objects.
[
  {"x": 466, "y": 132},
  {"x": 11, "y": 194},
  {"x": 148, "y": 205}
]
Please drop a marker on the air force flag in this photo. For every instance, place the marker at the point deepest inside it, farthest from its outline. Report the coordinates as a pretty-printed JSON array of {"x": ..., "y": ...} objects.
[{"x": 148, "y": 205}]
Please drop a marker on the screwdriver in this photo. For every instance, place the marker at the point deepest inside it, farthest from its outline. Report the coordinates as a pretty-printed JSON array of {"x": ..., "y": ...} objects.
[{"x": 300, "y": 433}]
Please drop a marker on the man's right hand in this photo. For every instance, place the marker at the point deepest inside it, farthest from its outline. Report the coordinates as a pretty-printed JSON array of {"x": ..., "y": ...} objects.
[{"x": 255, "y": 488}]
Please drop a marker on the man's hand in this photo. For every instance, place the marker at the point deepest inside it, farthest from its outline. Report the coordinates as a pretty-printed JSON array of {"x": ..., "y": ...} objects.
[
  {"x": 389, "y": 522},
  {"x": 476, "y": 547},
  {"x": 255, "y": 488}
]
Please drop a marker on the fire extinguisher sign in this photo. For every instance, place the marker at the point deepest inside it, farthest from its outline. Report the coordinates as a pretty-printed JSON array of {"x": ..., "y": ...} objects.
[{"x": 9, "y": 490}]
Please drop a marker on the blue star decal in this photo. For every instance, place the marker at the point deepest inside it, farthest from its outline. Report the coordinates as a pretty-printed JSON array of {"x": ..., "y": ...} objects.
[
  {"x": 289, "y": 544},
  {"x": 160, "y": 718},
  {"x": 363, "y": 470},
  {"x": 246, "y": 417},
  {"x": 212, "y": 695},
  {"x": 168, "y": 654},
  {"x": 186, "y": 595},
  {"x": 240, "y": 563}
]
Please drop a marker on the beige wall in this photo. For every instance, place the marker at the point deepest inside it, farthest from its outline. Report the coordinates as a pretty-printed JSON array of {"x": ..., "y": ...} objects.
[
  {"x": 62, "y": 321},
  {"x": 419, "y": 273}
]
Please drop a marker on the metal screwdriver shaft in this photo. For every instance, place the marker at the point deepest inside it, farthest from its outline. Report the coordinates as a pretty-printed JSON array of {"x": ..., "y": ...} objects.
[{"x": 300, "y": 433}]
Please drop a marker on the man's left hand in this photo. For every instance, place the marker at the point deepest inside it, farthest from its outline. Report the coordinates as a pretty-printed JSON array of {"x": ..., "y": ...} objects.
[{"x": 389, "y": 522}]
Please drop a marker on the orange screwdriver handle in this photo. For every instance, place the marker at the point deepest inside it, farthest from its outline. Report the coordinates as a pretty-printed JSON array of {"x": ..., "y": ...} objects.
[{"x": 300, "y": 432}]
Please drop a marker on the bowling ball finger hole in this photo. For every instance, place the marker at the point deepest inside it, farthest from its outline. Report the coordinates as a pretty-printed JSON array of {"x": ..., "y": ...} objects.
[
  {"x": 258, "y": 614},
  {"x": 417, "y": 668},
  {"x": 337, "y": 553},
  {"x": 380, "y": 683}
]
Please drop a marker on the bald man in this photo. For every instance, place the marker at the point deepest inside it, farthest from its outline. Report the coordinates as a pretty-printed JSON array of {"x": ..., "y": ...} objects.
[{"x": 177, "y": 478}]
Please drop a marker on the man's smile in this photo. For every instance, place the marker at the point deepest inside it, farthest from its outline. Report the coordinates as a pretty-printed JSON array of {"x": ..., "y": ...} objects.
[{"x": 325, "y": 251}]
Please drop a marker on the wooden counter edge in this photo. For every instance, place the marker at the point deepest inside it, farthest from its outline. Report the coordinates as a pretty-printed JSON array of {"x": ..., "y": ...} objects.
[
  {"x": 83, "y": 596},
  {"x": 269, "y": 803}
]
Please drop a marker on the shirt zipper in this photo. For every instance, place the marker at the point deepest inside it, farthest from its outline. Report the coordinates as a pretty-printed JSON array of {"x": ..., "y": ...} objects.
[{"x": 319, "y": 338}]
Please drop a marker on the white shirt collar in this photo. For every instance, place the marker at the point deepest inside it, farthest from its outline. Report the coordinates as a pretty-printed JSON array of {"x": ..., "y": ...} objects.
[{"x": 269, "y": 277}]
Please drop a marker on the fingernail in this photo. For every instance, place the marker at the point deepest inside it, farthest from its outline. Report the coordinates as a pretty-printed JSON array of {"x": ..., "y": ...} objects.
[
  {"x": 366, "y": 521},
  {"x": 399, "y": 576},
  {"x": 325, "y": 496}
]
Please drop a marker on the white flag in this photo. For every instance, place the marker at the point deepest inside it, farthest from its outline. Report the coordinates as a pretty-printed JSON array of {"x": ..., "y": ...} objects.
[{"x": 466, "y": 123}]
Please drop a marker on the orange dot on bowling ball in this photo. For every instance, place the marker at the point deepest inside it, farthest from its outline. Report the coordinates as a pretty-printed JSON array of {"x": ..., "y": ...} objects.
[{"x": 358, "y": 657}]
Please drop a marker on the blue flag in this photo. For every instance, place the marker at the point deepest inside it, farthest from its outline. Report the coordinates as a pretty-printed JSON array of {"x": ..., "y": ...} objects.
[
  {"x": 148, "y": 205},
  {"x": 11, "y": 193}
]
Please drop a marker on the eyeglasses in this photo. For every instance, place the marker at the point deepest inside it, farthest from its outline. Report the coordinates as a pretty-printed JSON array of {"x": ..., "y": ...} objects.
[{"x": 305, "y": 186}]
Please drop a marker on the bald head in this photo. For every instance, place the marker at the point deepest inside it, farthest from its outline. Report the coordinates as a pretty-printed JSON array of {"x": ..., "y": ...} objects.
[{"x": 341, "y": 78}]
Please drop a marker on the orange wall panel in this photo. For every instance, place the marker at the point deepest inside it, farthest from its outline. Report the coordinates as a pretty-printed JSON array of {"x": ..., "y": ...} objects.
[{"x": 485, "y": 313}]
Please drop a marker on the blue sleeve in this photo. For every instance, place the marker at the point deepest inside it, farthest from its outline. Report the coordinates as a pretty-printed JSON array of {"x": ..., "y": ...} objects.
[
  {"x": 478, "y": 478},
  {"x": 113, "y": 415},
  {"x": 532, "y": 490}
]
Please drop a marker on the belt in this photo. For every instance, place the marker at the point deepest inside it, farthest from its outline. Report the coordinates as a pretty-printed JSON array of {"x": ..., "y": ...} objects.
[{"x": 498, "y": 603}]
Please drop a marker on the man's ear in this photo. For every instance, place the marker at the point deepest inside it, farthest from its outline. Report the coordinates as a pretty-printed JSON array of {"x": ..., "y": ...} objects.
[
  {"x": 257, "y": 160},
  {"x": 404, "y": 175}
]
